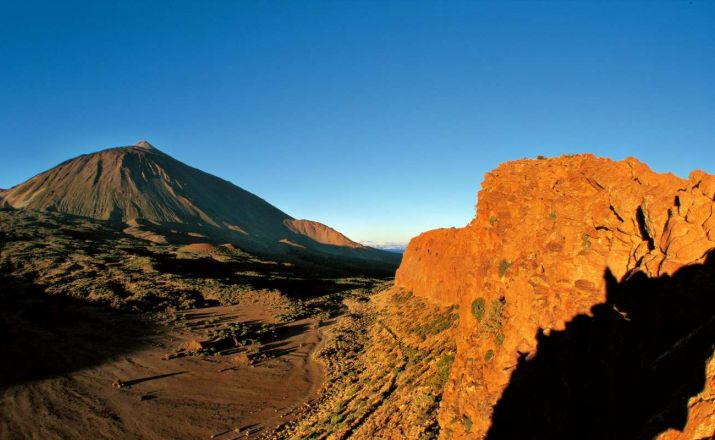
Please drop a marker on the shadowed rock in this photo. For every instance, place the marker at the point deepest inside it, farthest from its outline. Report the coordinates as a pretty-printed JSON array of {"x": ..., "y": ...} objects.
[{"x": 627, "y": 372}]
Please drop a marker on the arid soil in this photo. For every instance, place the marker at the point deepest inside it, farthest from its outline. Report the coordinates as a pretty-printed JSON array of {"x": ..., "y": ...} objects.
[
  {"x": 106, "y": 336},
  {"x": 361, "y": 363},
  {"x": 188, "y": 397}
]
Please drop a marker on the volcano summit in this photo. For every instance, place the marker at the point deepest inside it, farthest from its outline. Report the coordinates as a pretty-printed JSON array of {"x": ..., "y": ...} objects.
[{"x": 162, "y": 199}]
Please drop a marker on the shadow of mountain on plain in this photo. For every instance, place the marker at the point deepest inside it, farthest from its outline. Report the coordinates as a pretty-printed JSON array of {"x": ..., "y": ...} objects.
[
  {"x": 296, "y": 282},
  {"x": 627, "y": 372},
  {"x": 44, "y": 335},
  {"x": 311, "y": 255}
]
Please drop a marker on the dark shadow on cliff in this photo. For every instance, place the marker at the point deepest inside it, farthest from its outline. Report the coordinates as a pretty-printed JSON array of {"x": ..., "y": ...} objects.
[{"x": 627, "y": 372}]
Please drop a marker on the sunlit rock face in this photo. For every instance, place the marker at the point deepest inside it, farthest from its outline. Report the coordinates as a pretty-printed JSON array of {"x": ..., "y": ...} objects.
[{"x": 564, "y": 257}]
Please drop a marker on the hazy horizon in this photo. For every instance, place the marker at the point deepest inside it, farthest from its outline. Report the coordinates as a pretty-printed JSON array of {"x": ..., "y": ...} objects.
[{"x": 376, "y": 119}]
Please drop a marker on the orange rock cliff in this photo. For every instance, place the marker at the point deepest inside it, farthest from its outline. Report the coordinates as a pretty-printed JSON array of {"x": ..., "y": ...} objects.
[{"x": 586, "y": 297}]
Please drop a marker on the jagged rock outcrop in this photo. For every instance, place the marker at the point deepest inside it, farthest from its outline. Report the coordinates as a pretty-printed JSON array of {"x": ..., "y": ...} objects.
[
  {"x": 156, "y": 195},
  {"x": 556, "y": 252}
]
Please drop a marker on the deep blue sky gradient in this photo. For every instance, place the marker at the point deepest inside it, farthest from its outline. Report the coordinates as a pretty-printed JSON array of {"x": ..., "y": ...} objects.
[{"x": 377, "y": 118}]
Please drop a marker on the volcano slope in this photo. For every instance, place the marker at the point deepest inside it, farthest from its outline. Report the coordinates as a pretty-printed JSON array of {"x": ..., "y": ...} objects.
[
  {"x": 160, "y": 199},
  {"x": 586, "y": 294}
]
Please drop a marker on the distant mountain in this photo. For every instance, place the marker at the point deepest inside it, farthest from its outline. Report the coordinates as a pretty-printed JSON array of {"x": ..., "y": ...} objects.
[
  {"x": 394, "y": 247},
  {"x": 156, "y": 197}
]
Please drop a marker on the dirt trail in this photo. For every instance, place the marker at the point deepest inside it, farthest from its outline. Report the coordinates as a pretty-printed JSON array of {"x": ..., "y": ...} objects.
[{"x": 190, "y": 397}]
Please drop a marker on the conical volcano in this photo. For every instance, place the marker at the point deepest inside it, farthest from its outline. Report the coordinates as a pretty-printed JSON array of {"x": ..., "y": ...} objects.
[{"x": 141, "y": 186}]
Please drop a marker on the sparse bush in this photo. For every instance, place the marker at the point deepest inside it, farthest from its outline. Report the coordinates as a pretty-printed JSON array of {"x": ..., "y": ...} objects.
[
  {"x": 335, "y": 419},
  {"x": 489, "y": 355},
  {"x": 496, "y": 316},
  {"x": 478, "y": 306},
  {"x": 440, "y": 323},
  {"x": 425, "y": 400},
  {"x": 467, "y": 423},
  {"x": 552, "y": 215},
  {"x": 444, "y": 366},
  {"x": 504, "y": 265},
  {"x": 238, "y": 334},
  {"x": 296, "y": 310},
  {"x": 493, "y": 220},
  {"x": 411, "y": 353},
  {"x": 585, "y": 241},
  {"x": 499, "y": 339}
]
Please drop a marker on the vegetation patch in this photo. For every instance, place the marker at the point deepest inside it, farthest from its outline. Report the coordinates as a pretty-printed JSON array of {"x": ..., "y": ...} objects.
[
  {"x": 495, "y": 320},
  {"x": 296, "y": 311},
  {"x": 504, "y": 265},
  {"x": 478, "y": 307},
  {"x": 239, "y": 334},
  {"x": 444, "y": 365},
  {"x": 412, "y": 354},
  {"x": 440, "y": 323},
  {"x": 467, "y": 423},
  {"x": 585, "y": 241}
]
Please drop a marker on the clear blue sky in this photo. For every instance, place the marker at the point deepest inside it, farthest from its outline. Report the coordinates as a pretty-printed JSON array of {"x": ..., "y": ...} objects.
[{"x": 377, "y": 118}]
